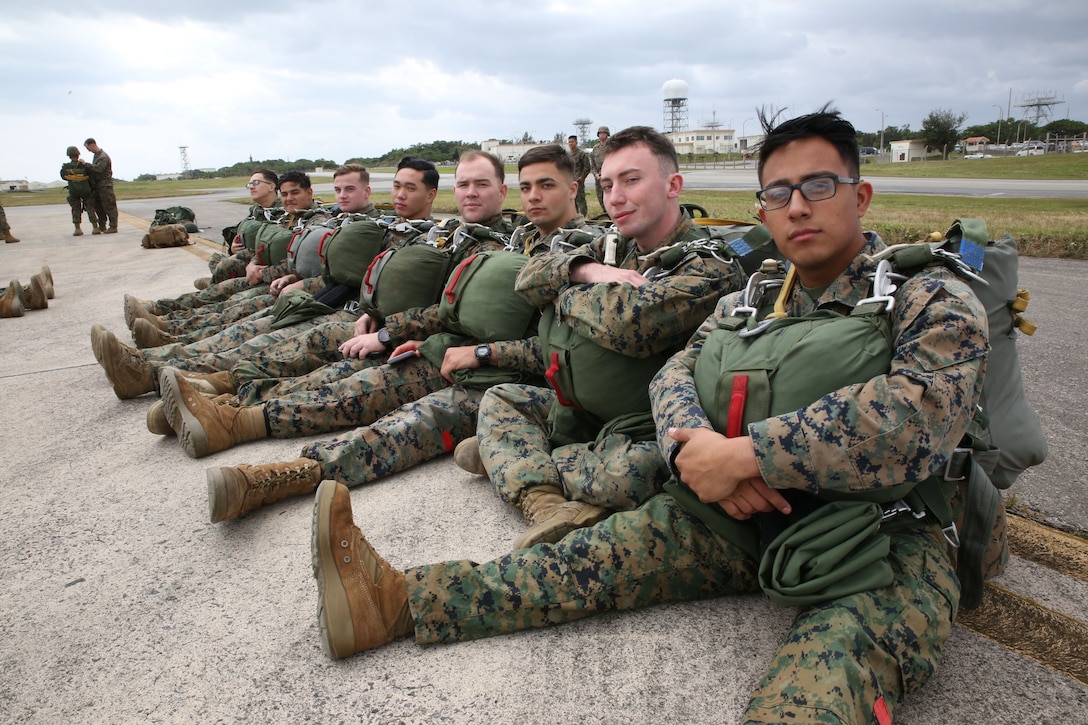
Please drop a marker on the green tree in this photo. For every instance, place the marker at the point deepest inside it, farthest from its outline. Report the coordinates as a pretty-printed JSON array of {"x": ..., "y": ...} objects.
[{"x": 941, "y": 130}]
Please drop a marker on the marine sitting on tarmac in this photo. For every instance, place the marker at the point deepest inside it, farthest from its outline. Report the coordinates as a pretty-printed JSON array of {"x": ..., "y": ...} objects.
[
  {"x": 208, "y": 312},
  {"x": 613, "y": 312},
  {"x": 852, "y": 657},
  {"x": 135, "y": 372},
  {"x": 359, "y": 399},
  {"x": 420, "y": 430}
]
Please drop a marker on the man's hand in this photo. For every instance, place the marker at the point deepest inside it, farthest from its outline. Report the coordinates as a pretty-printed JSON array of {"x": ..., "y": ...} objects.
[
  {"x": 277, "y": 285},
  {"x": 366, "y": 325},
  {"x": 458, "y": 358},
  {"x": 236, "y": 244},
  {"x": 595, "y": 272},
  {"x": 724, "y": 470},
  {"x": 362, "y": 345},
  {"x": 253, "y": 272}
]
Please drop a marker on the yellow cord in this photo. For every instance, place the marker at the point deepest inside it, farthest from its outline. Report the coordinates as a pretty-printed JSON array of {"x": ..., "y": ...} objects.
[{"x": 784, "y": 294}]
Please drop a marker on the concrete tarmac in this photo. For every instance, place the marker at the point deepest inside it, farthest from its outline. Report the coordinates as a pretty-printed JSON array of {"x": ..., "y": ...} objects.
[{"x": 121, "y": 603}]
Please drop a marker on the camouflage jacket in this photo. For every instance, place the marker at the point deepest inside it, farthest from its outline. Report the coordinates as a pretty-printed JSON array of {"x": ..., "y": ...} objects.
[
  {"x": 597, "y": 156},
  {"x": 652, "y": 318},
  {"x": 102, "y": 169},
  {"x": 897, "y": 428},
  {"x": 583, "y": 165}
]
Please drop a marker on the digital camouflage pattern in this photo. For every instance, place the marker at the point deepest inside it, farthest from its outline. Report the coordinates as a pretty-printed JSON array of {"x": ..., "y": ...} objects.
[
  {"x": 654, "y": 318},
  {"x": 105, "y": 201},
  {"x": 583, "y": 167},
  {"x": 841, "y": 657},
  {"x": 4, "y": 228}
]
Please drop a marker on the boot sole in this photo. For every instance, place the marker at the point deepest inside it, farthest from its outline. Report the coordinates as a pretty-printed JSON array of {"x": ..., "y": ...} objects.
[
  {"x": 190, "y": 432},
  {"x": 218, "y": 496},
  {"x": 159, "y": 425},
  {"x": 339, "y": 641}
]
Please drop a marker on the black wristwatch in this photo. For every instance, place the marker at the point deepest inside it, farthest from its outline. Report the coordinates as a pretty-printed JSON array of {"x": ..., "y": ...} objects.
[
  {"x": 385, "y": 339},
  {"x": 483, "y": 354}
]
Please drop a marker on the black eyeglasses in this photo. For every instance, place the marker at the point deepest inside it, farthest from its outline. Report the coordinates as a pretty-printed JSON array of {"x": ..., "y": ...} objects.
[
  {"x": 253, "y": 184},
  {"x": 817, "y": 188}
]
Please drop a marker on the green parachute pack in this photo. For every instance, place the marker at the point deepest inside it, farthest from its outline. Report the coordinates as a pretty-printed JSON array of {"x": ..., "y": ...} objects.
[
  {"x": 756, "y": 366},
  {"x": 176, "y": 215}
]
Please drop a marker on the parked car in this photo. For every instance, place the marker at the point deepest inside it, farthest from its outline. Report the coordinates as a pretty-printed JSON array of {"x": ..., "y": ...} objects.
[
  {"x": 978, "y": 155},
  {"x": 868, "y": 151},
  {"x": 1032, "y": 151}
]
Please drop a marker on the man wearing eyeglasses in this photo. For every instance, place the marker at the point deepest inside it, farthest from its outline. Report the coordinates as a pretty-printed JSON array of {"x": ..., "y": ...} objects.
[{"x": 851, "y": 657}]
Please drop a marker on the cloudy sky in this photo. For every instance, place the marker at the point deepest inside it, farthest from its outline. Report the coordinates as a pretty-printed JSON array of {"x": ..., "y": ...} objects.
[{"x": 342, "y": 78}]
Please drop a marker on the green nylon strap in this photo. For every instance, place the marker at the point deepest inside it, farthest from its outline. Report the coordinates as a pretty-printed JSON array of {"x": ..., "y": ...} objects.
[{"x": 973, "y": 230}]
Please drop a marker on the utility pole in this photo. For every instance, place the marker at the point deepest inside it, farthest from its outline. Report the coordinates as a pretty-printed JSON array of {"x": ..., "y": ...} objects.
[
  {"x": 998, "y": 122},
  {"x": 881, "y": 130}
]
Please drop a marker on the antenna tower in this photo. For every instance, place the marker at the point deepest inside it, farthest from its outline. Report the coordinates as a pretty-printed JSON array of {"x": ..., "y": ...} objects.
[
  {"x": 1037, "y": 106},
  {"x": 185, "y": 168},
  {"x": 582, "y": 124}
]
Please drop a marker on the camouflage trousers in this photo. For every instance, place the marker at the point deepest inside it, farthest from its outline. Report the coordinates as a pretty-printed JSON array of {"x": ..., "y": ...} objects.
[
  {"x": 841, "y": 659},
  {"x": 82, "y": 204},
  {"x": 238, "y": 342},
  {"x": 580, "y": 198},
  {"x": 614, "y": 472},
  {"x": 179, "y": 307},
  {"x": 412, "y": 434},
  {"x": 354, "y": 401},
  {"x": 105, "y": 205},
  {"x": 253, "y": 391},
  {"x": 232, "y": 267},
  {"x": 4, "y": 228},
  {"x": 296, "y": 357},
  {"x": 205, "y": 322}
]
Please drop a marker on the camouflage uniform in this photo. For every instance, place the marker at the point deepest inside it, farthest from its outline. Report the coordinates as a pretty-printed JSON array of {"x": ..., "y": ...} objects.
[
  {"x": 519, "y": 442},
  {"x": 80, "y": 191},
  {"x": 598, "y": 159},
  {"x": 843, "y": 659},
  {"x": 583, "y": 165},
  {"x": 428, "y": 426},
  {"x": 300, "y": 363},
  {"x": 4, "y": 228},
  {"x": 102, "y": 181}
]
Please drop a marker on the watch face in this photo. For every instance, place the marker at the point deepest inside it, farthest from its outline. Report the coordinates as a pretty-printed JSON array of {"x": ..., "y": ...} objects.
[{"x": 483, "y": 352}]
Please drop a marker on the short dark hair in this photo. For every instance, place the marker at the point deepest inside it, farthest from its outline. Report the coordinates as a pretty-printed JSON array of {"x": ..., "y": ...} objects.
[
  {"x": 496, "y": 163},
  {"x": 90, "y": 141},
  {"x": 572, "y": 136},
  {"x": 296, "y": 177},
  {"x": 826, "y": 123},
  {"x": 551, "y": 153},
  {"x": 658, "y": 143},
  {"x": 270, "y": 176},
  {"x": 430, "y": 173},
  {"x": 364, "y": 175}
]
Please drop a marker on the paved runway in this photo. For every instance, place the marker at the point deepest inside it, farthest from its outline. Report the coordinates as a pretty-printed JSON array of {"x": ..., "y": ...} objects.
[{"x": 120, "y": 603}]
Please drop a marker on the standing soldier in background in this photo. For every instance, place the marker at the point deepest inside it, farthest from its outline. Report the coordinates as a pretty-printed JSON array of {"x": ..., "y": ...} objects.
[
  {"x": 80, "y": 193},
  {"x": 5, "y": 230},
  {"x": 598, "y": 158},
  {"x": 102, "y": 182},
  {"x": 582, "y": 166}
]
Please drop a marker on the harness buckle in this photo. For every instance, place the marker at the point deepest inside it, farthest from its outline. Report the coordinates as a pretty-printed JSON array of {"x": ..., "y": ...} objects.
[
  {"x": 883, "y": 286},
  {"x": 953, "y": 260},
  {"x": 951, "y": 535},
  {"x": 351, "y": 306},
  {"x": 956, "y": 468}
]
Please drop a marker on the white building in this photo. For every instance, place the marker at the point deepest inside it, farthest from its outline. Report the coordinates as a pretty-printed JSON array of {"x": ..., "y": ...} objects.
[{"x": 908, "y": 150}]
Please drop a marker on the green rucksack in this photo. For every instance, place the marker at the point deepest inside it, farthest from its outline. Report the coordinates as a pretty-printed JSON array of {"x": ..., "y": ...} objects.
[
  {"x": 346, "y": 255},
  {"x": 593, "y": 384},
  {"x": 271, "y": 244},
  {"x": 749, "y": 370},
  {"x": 176, "y": 215},
  {"x": 403, "y": 278},
  {"x": 247, "y": 229}
]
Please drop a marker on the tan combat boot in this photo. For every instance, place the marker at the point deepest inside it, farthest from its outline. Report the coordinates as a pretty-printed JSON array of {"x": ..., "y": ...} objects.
[
  {"x": 157, "y": 422},
  {"x": 34, "y": 297},
  {"x": 132, "y": 307},
  {"x": 220, "y": 383},
  {"x": 11, "y": 302},
  {"x": 78, "y": 232},
  {"x": 202, "y": 283},
  {"x": 47, "y": 281},
  {"x": 552, "y": 516},
  {"x": 234, "y": 491},
  {"x": 95, "y": 229},
  {"x": 467, "y": 457},
  {"x": 129, "y": 373},
  {"x": 362, "y": 602},
  {"x": 146, "y": 335},
  {"x": 205, "y": 427},
  {"x": 9, "y": 237},
  {"x": 141, "y": 312}
]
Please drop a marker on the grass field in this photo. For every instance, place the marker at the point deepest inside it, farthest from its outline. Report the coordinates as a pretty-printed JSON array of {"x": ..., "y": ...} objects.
[{"x": 1042, "y": 227}]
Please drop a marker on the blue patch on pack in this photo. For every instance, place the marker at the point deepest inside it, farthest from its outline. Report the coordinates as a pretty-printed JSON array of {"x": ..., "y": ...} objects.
[
  {"x": 740, "y": 247},
  {"x": 972, "y": 254}
]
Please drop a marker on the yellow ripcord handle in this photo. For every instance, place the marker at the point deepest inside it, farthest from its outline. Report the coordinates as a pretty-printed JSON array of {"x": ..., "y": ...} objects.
[{"x": 783, "y": 295}]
